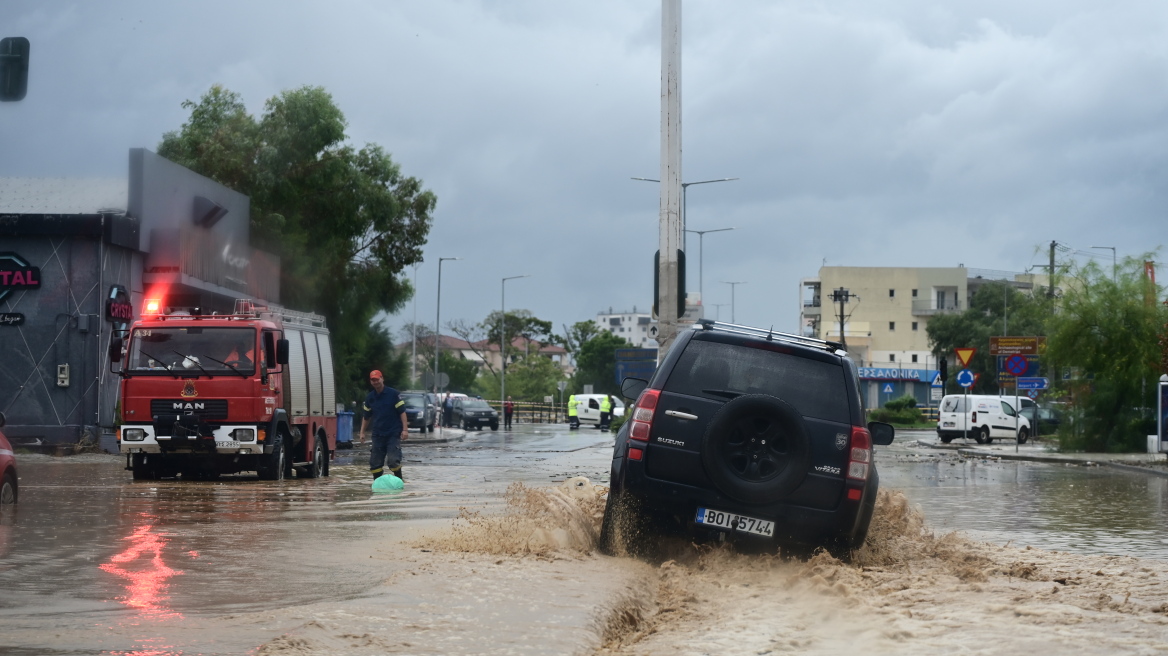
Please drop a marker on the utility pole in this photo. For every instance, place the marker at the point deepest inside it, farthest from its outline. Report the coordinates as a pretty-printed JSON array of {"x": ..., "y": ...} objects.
[
  {"x": 1050, "y": 289},
  {"x": 669, "y": 236},
  {"x": 842, "y": 296}
]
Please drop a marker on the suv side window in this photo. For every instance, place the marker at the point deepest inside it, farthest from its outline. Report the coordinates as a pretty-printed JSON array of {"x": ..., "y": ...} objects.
[{"x": 816, "y": 388}]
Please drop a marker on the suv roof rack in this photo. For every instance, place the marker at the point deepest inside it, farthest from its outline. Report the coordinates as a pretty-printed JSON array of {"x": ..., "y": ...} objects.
[{"x": 771, "y": 335}]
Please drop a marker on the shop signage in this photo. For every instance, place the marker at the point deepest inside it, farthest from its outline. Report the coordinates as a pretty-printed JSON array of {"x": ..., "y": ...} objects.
[
  {"x": 16, "y": 274},
  {"x": 11, "y": 319},
  {"x": 117, "y": 307}
]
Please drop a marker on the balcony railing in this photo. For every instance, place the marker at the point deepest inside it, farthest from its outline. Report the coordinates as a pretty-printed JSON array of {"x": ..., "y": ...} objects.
[{"x": 927, "y": 308}]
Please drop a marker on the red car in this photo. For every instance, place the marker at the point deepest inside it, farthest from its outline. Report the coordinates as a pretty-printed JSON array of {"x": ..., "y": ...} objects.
[{"x": 8, "y": 489}]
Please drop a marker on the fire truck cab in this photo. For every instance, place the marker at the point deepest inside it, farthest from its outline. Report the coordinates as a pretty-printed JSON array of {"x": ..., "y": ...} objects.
[{"x": 204, "y": 395}]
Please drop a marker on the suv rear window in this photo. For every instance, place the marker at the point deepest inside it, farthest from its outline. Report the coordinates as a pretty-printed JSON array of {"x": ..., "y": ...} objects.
[{"x": 815, "y": 388}]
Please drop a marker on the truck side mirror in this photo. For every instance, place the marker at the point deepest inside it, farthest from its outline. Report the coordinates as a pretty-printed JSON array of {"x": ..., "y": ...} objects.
[
  {"x": 115, "y": 349},
  {"x": 13, "y": 68},
  {"x": 282, "y": 351}
]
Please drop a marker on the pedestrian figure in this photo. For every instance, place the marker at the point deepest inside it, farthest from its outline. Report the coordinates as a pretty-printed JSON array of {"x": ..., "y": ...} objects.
[
  {"x": 508, "y": 410},
  {"x": 385, "y": 415},
  {"x": 605, "y": 411},
  {"x": 573, "y": 416},
  {"x": 447, "y": 411}
]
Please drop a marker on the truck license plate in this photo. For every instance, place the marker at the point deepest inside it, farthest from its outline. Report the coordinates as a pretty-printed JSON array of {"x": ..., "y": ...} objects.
[
  {"x": 226, "y": 445},
  {"x": 720, "y": 519}
]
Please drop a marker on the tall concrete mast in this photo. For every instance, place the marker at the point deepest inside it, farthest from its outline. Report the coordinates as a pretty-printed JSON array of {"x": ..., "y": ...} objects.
[{"x": 670, "y": 215}]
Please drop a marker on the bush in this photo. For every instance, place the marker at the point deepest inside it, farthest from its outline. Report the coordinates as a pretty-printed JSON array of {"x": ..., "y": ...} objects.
[{"x": 903, "y": 410}]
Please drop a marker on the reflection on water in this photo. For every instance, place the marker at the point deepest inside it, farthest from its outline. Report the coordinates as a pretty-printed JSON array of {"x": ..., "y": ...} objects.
[
  {"x": 1059, "y": 507},
  {"x": 142, "y": 566}
]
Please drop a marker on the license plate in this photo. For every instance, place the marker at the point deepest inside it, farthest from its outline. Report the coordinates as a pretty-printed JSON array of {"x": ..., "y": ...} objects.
[
  {"x": 227, "y": 445},
  {"x": 948, "y": 424},
  {"x": 720, "y": 519}
]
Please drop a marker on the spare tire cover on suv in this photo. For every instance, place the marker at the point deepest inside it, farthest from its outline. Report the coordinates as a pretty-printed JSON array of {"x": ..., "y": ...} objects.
[{"x": 756, "y": 449}]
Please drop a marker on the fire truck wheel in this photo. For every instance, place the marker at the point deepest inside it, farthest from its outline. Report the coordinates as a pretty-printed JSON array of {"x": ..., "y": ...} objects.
[
  {"x": 272, "y": 465},
  {"x": 315, "y": 468}
]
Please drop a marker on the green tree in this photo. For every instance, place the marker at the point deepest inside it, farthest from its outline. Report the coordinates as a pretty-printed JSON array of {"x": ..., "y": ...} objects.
[
  {"x": 1107, "y": 336},
  {"x": 579, "y": 334},
  {"x": 1025, "y": 314},
  {"x": 533, "y": 377},
  {"x": 596, "y": 363},
  {"x": 344, "y": 221}
]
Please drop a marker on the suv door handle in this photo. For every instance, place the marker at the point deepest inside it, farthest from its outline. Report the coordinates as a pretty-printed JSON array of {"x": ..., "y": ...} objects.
[{"x": 681, "y": 415}]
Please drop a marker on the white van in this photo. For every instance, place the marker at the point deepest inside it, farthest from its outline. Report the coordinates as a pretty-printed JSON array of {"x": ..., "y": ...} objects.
[
  {"x": 987, "y": 418},
  {"x": 588, "y": 409}
]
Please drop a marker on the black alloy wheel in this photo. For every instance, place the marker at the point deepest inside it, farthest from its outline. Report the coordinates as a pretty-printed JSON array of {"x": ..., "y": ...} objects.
[
  {"x": 756, "y": 449},
  {"x": 982, "y": 435}
]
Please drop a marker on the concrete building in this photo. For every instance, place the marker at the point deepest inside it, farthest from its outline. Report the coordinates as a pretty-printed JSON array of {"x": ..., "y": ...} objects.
[
  {"x": 89, "y": 252},
  {"x": 886, "y": 315},
  {"x": 632, "y": 325}
]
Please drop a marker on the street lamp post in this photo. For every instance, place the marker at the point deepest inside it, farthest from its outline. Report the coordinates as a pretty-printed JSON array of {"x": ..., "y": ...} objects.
[
  {"x": 414, "y": 339},
  {"x": 733, "y": 286},
  {"x": 701, "y": 249},
  {"x": 503, "y": 338},
  {"x": 718, "y": 309},
  {"x": 684, "y": 186},
  {"x": 438, "y": 321},
  {"x": 1112, "y": 249}
]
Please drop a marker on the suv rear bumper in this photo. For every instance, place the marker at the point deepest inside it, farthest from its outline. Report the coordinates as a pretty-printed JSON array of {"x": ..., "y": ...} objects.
[{"x": 796, "y": 524}]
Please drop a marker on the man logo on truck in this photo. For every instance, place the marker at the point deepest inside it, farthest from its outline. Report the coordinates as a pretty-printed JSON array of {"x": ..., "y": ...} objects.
[{"x": 179, "y": 405}]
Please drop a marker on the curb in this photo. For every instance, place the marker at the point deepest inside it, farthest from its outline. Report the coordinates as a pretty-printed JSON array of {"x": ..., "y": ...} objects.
[{"x": 1063, "y": 461}]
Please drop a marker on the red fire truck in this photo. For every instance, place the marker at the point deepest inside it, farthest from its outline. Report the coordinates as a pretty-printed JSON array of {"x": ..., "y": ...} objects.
[{"x": 203, "y": 395}]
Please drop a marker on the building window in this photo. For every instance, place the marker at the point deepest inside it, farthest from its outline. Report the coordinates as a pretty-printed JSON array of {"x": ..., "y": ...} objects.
[
  {"x": 914, "y": 325},
  {"x": 914, "y": 357},
  {"x": 892, "y": 325},
  {"x": 892, "y": 293},
  {"x": 891, "y": 357},
  {"x": 914, "y": 293}
]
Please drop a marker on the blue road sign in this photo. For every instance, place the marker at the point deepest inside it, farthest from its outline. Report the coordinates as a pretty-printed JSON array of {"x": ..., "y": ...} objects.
[
  {"x": 888, "y": 388},
  {"x": 937, "y": 381},
  {"x": 965, "y": 378},
  {"x": 1033, "y": 383}
]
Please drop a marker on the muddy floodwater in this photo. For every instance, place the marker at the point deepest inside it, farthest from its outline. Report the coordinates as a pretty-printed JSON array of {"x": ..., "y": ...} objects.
[{"x": 464, "y": 561}]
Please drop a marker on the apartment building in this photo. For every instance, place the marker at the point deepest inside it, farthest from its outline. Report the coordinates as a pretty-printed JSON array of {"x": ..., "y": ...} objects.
[
  {"x": 885, "y": 314},
  {"x": 633, "y": 326}
]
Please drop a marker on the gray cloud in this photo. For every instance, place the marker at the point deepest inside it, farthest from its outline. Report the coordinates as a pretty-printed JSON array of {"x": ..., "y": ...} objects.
[{"x": 867, "y": 133}]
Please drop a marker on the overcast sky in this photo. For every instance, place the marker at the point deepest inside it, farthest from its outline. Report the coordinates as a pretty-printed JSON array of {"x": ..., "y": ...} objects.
[{"x": 864, "y": 133}]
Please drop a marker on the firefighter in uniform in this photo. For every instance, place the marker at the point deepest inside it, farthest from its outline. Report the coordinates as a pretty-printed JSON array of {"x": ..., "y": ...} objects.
[
  {"x": 573, "y": 417},
  {"x": 605, "y": 411},
  {"x": 385, "y": 414}
]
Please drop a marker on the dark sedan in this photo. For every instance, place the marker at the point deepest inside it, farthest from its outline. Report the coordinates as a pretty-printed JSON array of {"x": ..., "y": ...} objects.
[
  {"x": 1044, "y": 420},
  {"x": 474, "y": 413}
]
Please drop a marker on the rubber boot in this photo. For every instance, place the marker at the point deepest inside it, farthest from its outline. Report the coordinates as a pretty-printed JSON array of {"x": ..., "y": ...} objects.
[
  {"x": 376, "y": 475},
  {"x": 397, "y": 471}
]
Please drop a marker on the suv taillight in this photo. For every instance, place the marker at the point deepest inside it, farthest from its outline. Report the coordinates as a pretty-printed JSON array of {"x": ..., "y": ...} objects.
[
  {"x": 860, "y": 456},
  {"x": 642, "y": 421}
]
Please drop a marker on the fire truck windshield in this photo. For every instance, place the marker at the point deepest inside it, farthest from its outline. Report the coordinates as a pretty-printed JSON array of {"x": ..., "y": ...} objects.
[{"x": 192, "y": 349}]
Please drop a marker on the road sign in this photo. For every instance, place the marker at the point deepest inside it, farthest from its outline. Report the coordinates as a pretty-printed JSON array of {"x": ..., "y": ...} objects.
[
  {"x": 936, "y": 393},
  {"x": 1033, "y": 383},
  {"x": 888, "y": 388},
  {"x": 965, "y": 378},
  {"x": 937, "y": 381},
  {"x": 1017, "y": 365},
  {"x": 1017, "y": 345},
  {"x": 1032, "y": 393},
  {"x": 964, "y": 355},
  {"x": 562, "y": 385}
]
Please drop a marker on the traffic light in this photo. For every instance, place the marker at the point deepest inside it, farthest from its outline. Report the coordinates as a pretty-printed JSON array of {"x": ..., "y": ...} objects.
[
  {"x": 943, "y": 369},
  {"x": 13, "y": 68}
]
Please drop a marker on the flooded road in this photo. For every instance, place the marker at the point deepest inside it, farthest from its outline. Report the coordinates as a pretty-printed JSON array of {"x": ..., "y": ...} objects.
[{"x": 95, "y": 563}]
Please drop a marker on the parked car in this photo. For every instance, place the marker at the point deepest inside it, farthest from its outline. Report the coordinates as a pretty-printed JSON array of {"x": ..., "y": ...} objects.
[
  {"x": 747, "y": 433},
  {"x": 588, "y": 408},
  {"x": 984, "y": 418},
  {"x": 1044, "y": 421},
  {"x": 474, "y": 413},
  {"x": 421, "y": 410},
  {"x": 9, "y": 487}
]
